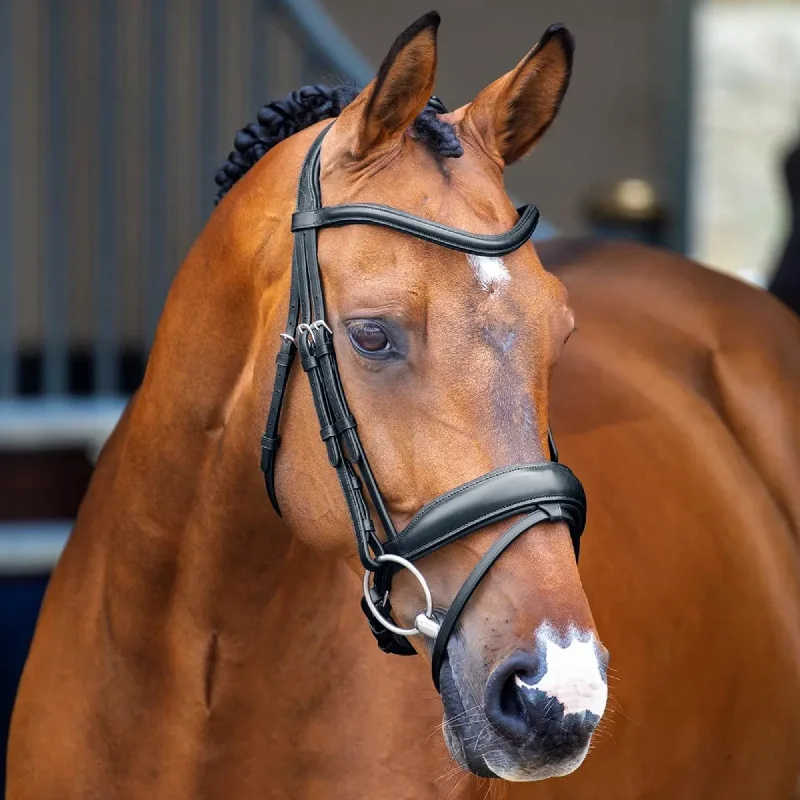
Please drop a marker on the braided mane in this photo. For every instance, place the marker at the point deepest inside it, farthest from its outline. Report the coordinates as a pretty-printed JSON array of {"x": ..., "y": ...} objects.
[{"x": 302, "y": 108}]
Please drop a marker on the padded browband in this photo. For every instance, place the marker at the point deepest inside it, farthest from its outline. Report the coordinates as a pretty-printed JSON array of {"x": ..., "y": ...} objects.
[
  {"x": 497, "y": 496},
  {"x": 452, "y": 238}
]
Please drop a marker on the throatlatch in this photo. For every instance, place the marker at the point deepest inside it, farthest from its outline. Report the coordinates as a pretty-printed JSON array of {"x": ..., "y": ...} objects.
[{"x": 544, "y": 492}]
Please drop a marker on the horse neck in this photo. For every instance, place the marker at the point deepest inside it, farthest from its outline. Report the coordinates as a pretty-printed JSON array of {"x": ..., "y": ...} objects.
[{"x": 191, "y": 528}]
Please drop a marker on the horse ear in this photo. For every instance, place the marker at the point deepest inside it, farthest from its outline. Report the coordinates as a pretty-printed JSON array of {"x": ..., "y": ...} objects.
[
  {"x": 393, "y": 100},
  {"x": 511, "y": 114}
]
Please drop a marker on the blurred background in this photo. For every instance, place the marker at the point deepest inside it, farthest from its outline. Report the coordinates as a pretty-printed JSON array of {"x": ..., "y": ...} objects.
[{"x": 681, "y": 129}]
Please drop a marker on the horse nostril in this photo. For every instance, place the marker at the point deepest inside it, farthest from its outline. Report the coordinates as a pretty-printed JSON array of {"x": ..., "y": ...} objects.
[
  {"x": 510, "y": 702},
  {"x": 505, "y": 704},
  {"x": 546, "y": 702}
]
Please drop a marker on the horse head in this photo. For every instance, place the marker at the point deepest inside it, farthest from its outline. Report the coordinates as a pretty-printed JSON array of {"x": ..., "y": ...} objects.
[{"x": 444, "y": 357}]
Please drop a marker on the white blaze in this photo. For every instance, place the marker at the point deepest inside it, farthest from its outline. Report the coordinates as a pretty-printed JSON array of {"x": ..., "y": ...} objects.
[
  {"x": 490, "y": 272},
  {"x": 573, "y": 674}
]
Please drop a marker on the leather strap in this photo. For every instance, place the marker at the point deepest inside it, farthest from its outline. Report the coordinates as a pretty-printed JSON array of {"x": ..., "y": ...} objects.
[
  {"x": 306, "y": 322},
  {"x": 543, "y": 514},
  {"x": 493, "y": 497},
  {"x": 551, "y": 443},
  {"x": 388, "y": 641},
  {"x": 421, "y": 228}
]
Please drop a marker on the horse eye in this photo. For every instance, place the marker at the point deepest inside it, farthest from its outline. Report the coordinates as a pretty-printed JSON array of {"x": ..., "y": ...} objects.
[{"x": 369, "y": 338}]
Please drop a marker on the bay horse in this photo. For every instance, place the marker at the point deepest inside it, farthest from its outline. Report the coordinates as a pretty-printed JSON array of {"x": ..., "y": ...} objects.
[{"x": 194, "y": 643}]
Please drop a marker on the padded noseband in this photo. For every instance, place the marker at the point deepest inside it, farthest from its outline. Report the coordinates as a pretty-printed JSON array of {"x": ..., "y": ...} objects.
[{"x": 494, "y": 497}]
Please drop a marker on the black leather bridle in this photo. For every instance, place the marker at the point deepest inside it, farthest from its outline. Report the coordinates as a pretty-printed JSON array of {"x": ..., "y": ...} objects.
[{"x": 544, "y": 492}]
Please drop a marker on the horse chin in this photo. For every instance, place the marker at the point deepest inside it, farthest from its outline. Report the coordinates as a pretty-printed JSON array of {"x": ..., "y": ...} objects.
[
  {"x": 538, "y": 772},
  {"x": 456, "y": 717}
]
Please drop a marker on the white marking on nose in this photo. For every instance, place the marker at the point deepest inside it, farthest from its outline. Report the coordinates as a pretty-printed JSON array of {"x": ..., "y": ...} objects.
[
  {"x": 490, "y": 272},
  {"x": 573, "y": 675}
]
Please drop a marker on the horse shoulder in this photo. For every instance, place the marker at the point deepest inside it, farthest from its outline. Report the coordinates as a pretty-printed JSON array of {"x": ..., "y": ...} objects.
[
  {"x": 677, "y": 402},
  {"x": 735, "y": 346}
]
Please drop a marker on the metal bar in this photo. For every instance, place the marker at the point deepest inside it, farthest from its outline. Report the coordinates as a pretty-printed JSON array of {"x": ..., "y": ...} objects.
[
  {"x": 31, "y": 548},
  {"x": 208, "y": 103},
  {"x": 324, "y": 36},
  {"x": 677, "y": 50},
  {"x": 8, "y": 360},
  {"x": 156, "y": 278},
  {"x": 58, "y": 422},
  {"x": 56, "y": 285},
  {"x": 104, "y": 283},
  {"x": 260, "y": 74},
  {"x": 310, "y": 71}
]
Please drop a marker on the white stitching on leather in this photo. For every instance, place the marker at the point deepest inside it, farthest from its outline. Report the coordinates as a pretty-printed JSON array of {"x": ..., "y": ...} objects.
[
  {"x": 481, "y": 243},
  {"x": 458, "y": 489}
]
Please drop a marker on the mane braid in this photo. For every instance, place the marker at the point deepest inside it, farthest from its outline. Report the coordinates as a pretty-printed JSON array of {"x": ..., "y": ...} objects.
[{"x": 304, "y": 107}]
